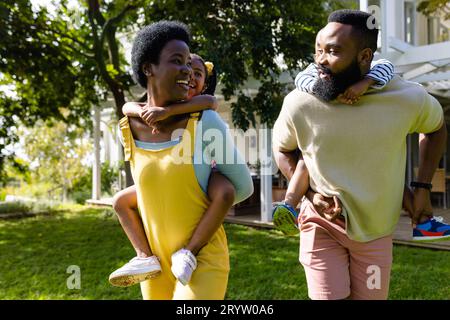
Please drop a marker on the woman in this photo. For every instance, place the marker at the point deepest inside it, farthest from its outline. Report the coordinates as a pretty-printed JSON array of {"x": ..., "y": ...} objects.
[{"x": 170, "y": 198}]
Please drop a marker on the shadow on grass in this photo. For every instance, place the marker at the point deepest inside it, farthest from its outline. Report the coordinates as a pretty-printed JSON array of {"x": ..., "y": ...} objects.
[
  {"x": 36, "y": 252},
  {"x": 264, "y": 265}
]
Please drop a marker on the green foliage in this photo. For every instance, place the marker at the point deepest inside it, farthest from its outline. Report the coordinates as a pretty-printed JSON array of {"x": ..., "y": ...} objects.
[
  {"x": 82, "y": 186},
  {"x": 243, "y": 38},
  {"x": 59, "y": 63},
  {"x": 430, "y": 7},
  {"x": 45, "y": 74},
  {"x": 58, "y": 152},
  {"x": 59, "y": 168},
  {"x": 109, "y": 177},
  {"x": 21, "y": 206},
  {"x": 34, "y": 189},
  {"x": 17, "y": 172},
  {"x": 15, "y": 207}
]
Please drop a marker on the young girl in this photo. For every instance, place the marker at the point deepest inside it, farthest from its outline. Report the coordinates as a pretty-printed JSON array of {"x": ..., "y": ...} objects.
[
  {"x": 284, "y": 213},
  {"x": 219, "y": 189}
]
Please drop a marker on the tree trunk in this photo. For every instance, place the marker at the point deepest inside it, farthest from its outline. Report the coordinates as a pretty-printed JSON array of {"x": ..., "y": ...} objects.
[
  {"x": 128, "y": 177},
  {"x": 108, "y": 33},
  {"x": 119, "y": 99}
]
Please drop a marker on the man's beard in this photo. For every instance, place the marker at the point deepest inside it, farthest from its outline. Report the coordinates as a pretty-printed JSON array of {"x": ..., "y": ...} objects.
[{"x": 329, "y": 89}]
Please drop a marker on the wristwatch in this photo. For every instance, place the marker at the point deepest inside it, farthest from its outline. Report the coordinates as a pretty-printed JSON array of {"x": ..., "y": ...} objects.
[{"x": 422, "y": 185}]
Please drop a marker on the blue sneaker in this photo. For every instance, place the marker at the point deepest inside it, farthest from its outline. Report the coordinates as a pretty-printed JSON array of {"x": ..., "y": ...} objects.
[
  {"x": 285, "y": 218},
  {"x": 433, "y": 229}
]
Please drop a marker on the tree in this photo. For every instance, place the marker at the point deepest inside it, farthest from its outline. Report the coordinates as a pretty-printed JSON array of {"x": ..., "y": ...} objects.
[
  {"x": 59, "y": 64},
  {"x": 69, "y": 59},
  {"x": 58, "y": 153},
  {"x": 45, "y": 76},
  {"x": 243, "y": 38},
  {"x": 435, "y": 6}
]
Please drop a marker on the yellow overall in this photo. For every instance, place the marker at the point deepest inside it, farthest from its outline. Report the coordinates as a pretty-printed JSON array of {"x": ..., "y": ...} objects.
[{"x": 171, "y": 203}]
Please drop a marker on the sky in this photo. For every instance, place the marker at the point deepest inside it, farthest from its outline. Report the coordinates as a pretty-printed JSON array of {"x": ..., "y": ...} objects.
[{"x": 48, "y": 4}]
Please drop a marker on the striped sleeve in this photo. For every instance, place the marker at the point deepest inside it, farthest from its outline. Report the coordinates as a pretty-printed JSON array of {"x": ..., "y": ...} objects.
[
  {"x": 306, "y": 79},
  {"x": 382, "y": 72}
]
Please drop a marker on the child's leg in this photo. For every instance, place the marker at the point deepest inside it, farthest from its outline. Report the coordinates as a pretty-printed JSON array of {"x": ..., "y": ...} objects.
[
  {"x": 125, "y": 205},
  {"x": 298, "y": 185},
  {"x": 145, "y": 266},
  {"x": 221, "y": 193},
  {"x": 284, "y": 215}
]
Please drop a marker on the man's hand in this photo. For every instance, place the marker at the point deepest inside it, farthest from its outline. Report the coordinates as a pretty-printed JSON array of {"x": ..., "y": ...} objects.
[
  {"x": 422, "y": 206},
  {"x": 328, "y": 208}
]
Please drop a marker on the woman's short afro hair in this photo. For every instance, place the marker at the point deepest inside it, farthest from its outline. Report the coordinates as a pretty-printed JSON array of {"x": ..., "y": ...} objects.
[
  {"x": 149, "y": 42},
  {"x": 366, "y": 37}
]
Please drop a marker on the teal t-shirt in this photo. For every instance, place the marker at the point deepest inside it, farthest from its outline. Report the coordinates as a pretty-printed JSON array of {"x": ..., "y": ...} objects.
[{"x": 213, "y": 143}]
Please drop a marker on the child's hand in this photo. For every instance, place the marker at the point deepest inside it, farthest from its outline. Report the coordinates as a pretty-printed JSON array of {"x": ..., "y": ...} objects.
[
  {"x": 355, "y": 91},
  {"x": 151, "y": 115}
]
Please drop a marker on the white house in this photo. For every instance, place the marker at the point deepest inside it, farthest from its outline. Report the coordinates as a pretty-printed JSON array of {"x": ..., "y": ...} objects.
[{"x": 418, "y": 46}]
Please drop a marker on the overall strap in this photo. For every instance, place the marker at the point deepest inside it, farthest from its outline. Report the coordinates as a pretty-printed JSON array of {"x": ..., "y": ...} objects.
[
  {"x": 192, "y": 128},
  {"x": 127, "y": 140}
]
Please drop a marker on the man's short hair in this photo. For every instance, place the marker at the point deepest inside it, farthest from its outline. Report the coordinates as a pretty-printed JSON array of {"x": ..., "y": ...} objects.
[
  {"x": 150, "y": 41},
  {"x": 367, "y": 37}
]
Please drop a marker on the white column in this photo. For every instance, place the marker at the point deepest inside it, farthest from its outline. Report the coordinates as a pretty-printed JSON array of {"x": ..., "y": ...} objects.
[
  {"x": 384, "y": 27},
  {"x": 392, "y": 23},
  {"x": 106, "y": 143},
  {"x": 96, "y": 166},
  {"x": 363, "y": 5},
  {"x": 265, "y": 156},
  {"x": 119, "y": 150}
]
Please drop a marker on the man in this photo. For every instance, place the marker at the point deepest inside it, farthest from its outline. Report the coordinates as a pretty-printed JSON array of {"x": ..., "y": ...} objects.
[{"x": 356, "y": 154}]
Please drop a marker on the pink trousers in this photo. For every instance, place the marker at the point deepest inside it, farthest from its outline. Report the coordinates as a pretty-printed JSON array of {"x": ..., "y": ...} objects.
[{"x": 337, "y": 267}]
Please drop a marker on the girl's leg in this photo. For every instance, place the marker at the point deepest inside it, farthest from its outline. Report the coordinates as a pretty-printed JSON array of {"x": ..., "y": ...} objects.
[
  {"x": 125, "y": 205},
  {"x": 221, "y": 193},
  {"x": 285, "y": 215},
  {"x": 298, "y": 185},
  {"x": 145, "y": 266}
]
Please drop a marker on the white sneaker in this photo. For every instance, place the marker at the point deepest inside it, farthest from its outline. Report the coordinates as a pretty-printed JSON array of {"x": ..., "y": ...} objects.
[
  {"x": 183, "y": 264},
  {"x": 135, "y": 271}
]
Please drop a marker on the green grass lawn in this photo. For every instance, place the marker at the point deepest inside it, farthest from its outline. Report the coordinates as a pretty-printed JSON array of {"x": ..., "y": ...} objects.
[{"x": 36, "y": 252}]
